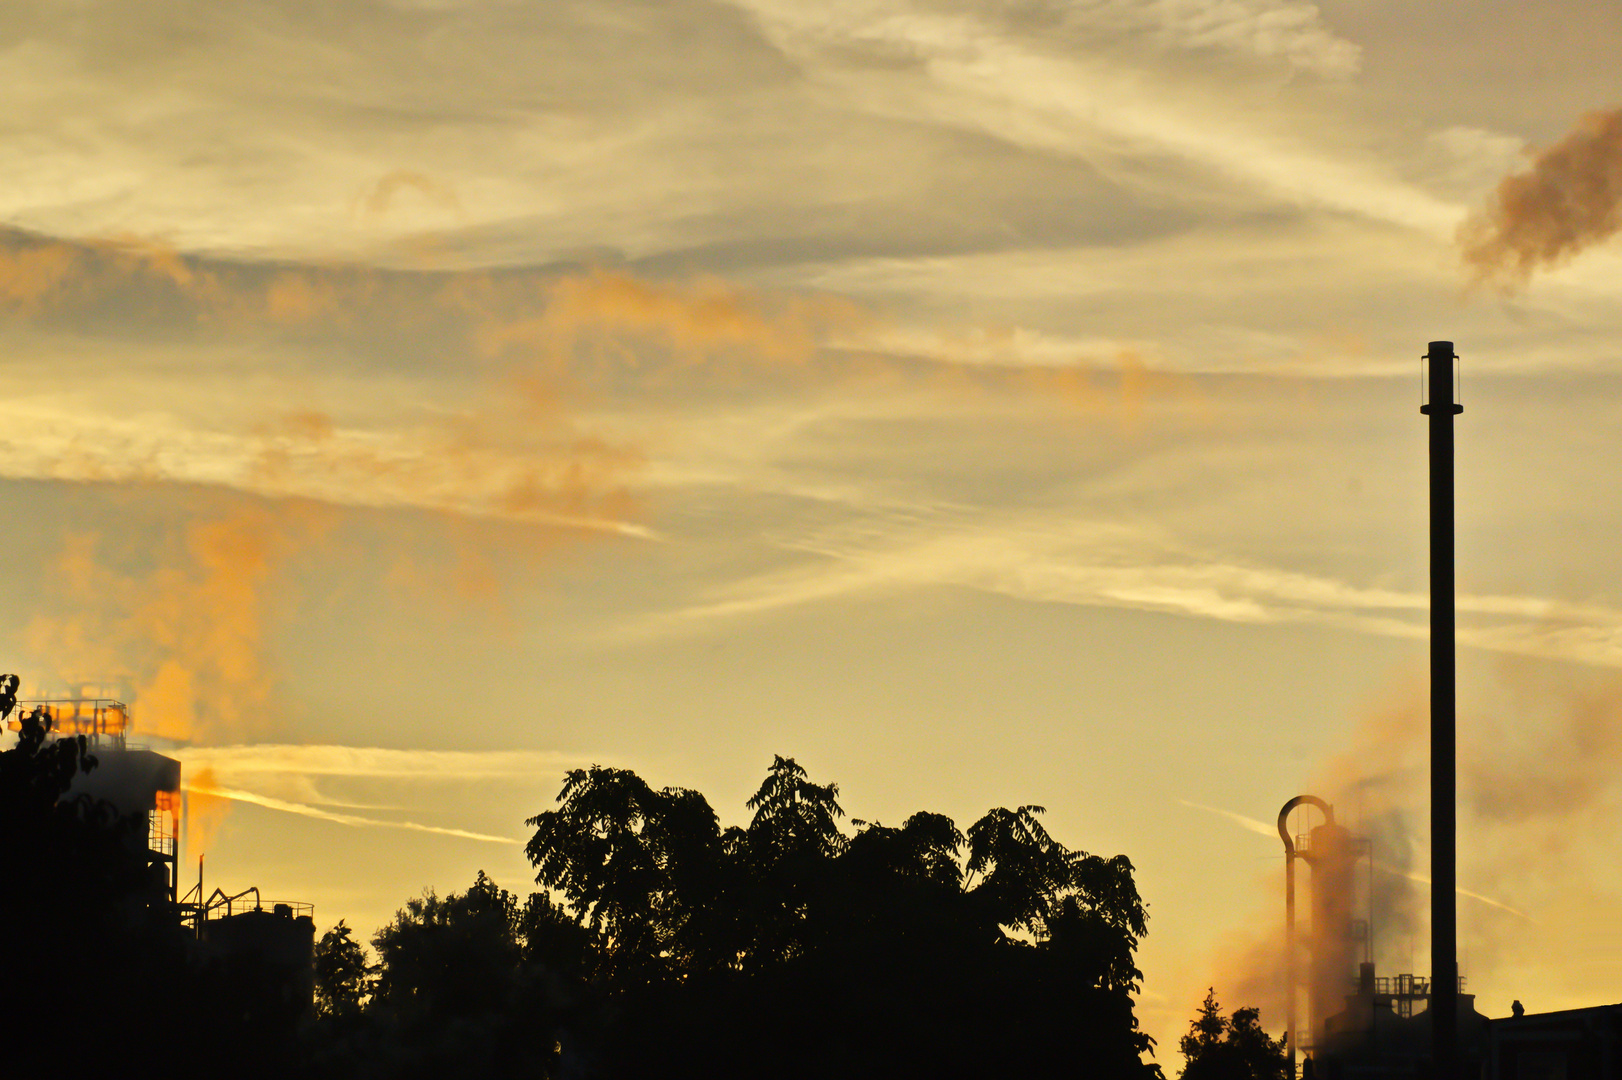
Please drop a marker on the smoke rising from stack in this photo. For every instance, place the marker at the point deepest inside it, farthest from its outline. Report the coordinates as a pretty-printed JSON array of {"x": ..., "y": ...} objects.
[
  {"x": 1569, "y": 200},
  {"x": 1540, "y": 789},
  {"x": 203, "y": 811},
  {"x": 187, "y": 631}
]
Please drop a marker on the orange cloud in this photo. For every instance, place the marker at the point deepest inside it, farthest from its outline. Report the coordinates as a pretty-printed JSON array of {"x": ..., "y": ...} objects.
[
  {"x": 1569, "y": 200},
  {"x": 204, "y": 809},
  {"x": 30, "y": 272},
  {"x": 560, "y": 337},
  {"x": 186, "y": 633},
  {"x": 608, "y": 320}
]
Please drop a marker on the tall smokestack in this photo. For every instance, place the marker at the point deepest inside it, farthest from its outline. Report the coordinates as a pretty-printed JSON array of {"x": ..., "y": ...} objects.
[{"x": 1444, "y": 1002}]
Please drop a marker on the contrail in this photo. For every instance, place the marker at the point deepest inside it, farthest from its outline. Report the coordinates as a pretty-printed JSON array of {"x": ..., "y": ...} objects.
[
  {"x": 370, "y": 761},
  {"x": 237, "y": 795},
  {"x": 1423, "y": 880},
  {"x": 1262, "y": 828}
]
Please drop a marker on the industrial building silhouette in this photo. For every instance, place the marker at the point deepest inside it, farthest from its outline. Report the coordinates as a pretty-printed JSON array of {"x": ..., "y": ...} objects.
[
  {"x": 269, "y": 942},
  {"x": 1346, "y": 1021}
]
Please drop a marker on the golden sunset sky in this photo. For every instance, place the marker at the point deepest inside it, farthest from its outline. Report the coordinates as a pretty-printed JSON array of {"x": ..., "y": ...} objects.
[{"x": 981, "y": 403}]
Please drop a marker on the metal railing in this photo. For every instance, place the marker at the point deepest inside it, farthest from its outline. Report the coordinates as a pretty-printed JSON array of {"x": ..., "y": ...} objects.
[
  {"x": 220, "y": 906},
  {"x": 160, "y": 833},
  {"x": 80, "y": 716},
  {"x": 1406, "y": 989}
]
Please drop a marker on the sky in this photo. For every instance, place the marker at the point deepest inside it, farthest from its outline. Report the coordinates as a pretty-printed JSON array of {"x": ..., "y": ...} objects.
[{"x": 983, "y": 404}]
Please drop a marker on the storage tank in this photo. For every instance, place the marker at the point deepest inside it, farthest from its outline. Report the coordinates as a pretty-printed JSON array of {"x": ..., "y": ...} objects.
[{"x": 274, "y": 947}]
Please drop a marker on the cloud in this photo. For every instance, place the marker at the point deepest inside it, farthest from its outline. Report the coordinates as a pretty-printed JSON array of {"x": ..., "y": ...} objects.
[
  {"x": 1569, "y": 200},
  {"x": 973, "y": 74},
  {"x": 1289, "y": 30},
  {"x": 263, "y": 774},
  {"x": 381, "y": 197},
  {"x": 240, "y": 762},
  {"x": 499, "y": 457},
  {"x": 1047, "y": 559},
  {"x": 496, "y": 424},
  {"x": 270, "y": 802}
]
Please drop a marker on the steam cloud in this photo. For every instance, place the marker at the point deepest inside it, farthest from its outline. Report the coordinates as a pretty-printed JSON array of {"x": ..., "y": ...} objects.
[
  {"x": 1540, "y": 764},
  {"x": 187, "y": 635},
  {"x": 1570, "y": 199}
]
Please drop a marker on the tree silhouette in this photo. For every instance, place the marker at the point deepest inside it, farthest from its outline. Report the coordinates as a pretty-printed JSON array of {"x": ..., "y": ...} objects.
[
  {"x": 1230, "y": 1048},
  {"x": 672, "y": 947},
  {"x": 635, "y": 865},
  {"x": 343, "y": 977},
  {"x": 448, "y": 957},
  {"x": 549, "y": 935},
  {"x": 795, "y": 948},
  {"x": 465, "y": 984},
  {"x": 795, "y": 818}
]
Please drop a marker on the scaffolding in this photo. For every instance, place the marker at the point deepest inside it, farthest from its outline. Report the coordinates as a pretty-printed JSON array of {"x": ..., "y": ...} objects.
[
  {"x": 99, "y": 718},
  {"x": 1405, "y": 989}
]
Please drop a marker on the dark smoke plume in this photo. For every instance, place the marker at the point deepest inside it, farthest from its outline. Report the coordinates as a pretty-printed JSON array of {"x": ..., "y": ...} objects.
[{"x": 1570, "y": 199}]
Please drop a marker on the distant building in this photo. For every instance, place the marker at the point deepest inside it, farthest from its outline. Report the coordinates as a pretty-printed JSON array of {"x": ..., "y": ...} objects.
[
  {"x": 1573, "y": 1044},
  {"x": 134, "y": 781},
  {"x": 272, "y": 951},
  {"x": 1380, "y": 1036},
  {"x": 269, "y": 948}
]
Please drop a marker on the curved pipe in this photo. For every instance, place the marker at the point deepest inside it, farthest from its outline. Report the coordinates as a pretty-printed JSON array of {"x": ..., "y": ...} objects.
[
  {"x": 1290, "y": 1034},
  {"x": 1299, "y": 800},
  {"x": 218, "y": 899}
]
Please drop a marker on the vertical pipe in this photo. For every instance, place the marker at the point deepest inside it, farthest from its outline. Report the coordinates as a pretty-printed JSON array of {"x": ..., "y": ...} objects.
[
  {"x": 1292, "y": 1019},
  {"x": 1290, "y": 1036},
  {"x": 1444, "y": 1003}
]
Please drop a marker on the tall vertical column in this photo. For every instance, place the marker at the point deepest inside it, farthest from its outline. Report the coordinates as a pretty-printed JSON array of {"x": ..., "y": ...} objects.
[
  {"x": 1292, "y": 1033},
  {"x": 1444, "y": 1002}
]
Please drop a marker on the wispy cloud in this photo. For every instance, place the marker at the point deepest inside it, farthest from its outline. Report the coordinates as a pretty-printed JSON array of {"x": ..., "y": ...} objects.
[
  {"x": 1292, "y": 31},
  {"x": 976, "y": 74},
  {"x": 1102, "y": 564},
  {"x": 279, "y": 759},
  {"x": 270, "y": 802},
  {"x": 264, "y": 774},
  {"x": 419, "y": 466}
]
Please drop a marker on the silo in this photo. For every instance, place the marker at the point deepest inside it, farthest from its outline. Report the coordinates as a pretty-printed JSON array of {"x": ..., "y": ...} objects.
[{"x": 271, "y": 950}]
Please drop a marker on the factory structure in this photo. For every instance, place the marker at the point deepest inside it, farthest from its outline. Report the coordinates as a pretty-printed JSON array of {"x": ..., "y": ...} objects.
[
  {"x": 1345, "y": 1021},
  {"x": 1341, "y": 1015},
  {"x": 273, "y": 940},
  {"x": 1344, "y": 1025}
]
